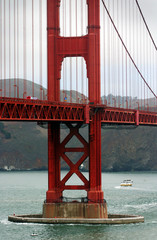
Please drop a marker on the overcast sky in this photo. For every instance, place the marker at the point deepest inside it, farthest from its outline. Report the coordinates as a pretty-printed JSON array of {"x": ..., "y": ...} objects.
[{"x": 149, "y": 9}]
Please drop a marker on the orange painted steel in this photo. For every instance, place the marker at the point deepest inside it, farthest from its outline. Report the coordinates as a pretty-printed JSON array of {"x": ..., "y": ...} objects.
[
  {"x": 30, "y": 110},
  {"x": 89, "y": 48},
  {"x": 36, "y": 110},
  {"x": 56, "y": 185}
]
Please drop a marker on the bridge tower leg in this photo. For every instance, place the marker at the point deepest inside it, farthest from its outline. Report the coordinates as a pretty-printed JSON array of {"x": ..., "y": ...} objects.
[{"x": 58, "y": 48}]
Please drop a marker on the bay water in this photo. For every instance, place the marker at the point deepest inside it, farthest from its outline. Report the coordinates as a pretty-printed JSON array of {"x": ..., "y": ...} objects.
[{"x": 24, "y": 193}]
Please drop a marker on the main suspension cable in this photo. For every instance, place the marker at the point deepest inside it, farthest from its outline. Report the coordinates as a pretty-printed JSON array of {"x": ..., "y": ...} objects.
[{"x": 146, "y": 24}]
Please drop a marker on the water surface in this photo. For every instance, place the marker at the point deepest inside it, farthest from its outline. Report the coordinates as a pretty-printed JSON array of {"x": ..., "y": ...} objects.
[{"x": 24, "y": 193}]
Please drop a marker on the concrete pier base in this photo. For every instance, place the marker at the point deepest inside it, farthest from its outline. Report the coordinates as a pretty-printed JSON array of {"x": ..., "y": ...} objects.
[
  {"x": 112, "y": 219},
  {"x": 75, "y": 210},
  {"x": 76, "y": 213}
]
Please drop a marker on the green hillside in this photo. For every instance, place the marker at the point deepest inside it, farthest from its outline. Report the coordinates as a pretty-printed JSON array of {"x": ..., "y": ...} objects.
[{"x": 23, "y": 145}]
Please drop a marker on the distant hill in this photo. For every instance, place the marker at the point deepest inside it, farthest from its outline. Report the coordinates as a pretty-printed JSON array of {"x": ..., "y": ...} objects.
[
  {"x": 16, "y": 86},
  {"x": 23, "y": 88},
  {"x": 23, "y": 145}
]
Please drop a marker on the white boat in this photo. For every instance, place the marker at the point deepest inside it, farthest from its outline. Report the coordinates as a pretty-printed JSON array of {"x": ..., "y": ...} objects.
[
  {"x": 81, "y": 166},
  {"x": 126, "y": 183},
  {"x": 34, "y": 234}
]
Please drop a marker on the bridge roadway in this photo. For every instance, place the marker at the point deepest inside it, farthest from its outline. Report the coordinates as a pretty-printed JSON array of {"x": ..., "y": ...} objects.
[{"x": 36, "y": 110}]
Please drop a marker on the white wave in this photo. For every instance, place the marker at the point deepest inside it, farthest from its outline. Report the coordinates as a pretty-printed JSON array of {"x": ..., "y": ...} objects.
[
  {"x": 132, "y": 188},
  {"x": 127, "y": 188},
  {"x": 154, "y": 222},
  {"x": 5, "y": 222},
  {"x": 143, "y": 206}
]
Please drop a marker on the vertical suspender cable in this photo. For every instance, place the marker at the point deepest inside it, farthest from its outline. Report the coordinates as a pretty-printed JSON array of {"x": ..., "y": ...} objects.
[
  {"x": 63, "y": 77},
  {"x": 156, "y": 82},
  {"x": 122, "y": 56},
  {"x": 126, "y": 72},
  {"x": 147, "y": 72},
  {"x": 112, "y": 60},
  {"x": 137, "y": 52},
  {"x": 33, "y": 48},
  {"x": 154, "y": 74},
  {"x": 9, "y": 51},
  {"x": 141, "y": 53},
  {"x": 131, "y": 67},
  {"x": 116, "y": 49},
  {"x": 18, "y": 46},
  {"x": 64, "y": 66},
  {"x": 1, "y": 48},
  {"x": 24, "y": 46},
  {"x": 104, "y": 57},
  {"x": 82, "y": 74},
  {"x": 129, "y": 16},
  {"x": 40, "y": 50},
  {"x": 144, "y": 70},
  {"x": 126, "y": 100},
  {"x": 85, "y": 28},
  {"x": 125, "y": 56},
  {"x": 140, "y": 61},
  {"x": 132, "y": 45},
  {"x": 125, "y": 78},
  {"x": 76, "y": 58},
  {"x": 118, "y": 59},
  {"x": 150, "y": 73},
  {"x": 109, "y": 57},
  {"x": 70, "y": 23},
  {"x": 144, "y": 67},
  {"x": 65, "y": 63},
  {"x": 4, "y": 32},
  {"x": 15, "y": 85},
  {"x": 85, "y": 76}
]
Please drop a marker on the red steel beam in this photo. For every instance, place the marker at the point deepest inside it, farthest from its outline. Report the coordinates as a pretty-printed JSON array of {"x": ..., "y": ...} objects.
[
  {"x": 29, "y": 110},
  {"x": 125, "y": 116},
  {"x": 35, "y": 110}
]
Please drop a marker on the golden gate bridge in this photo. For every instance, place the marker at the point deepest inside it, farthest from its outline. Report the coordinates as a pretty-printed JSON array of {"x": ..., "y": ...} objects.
[{"x": 76, "y": 62}]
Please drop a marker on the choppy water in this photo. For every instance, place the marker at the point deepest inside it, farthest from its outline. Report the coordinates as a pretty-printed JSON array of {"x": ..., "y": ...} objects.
[{"x": 24, "y": 193}]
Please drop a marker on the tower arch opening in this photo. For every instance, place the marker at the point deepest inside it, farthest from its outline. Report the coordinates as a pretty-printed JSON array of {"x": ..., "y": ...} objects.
[{"x": 74, "y": 81}]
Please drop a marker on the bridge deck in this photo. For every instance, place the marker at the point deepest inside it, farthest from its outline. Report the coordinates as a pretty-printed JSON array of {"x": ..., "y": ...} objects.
[{"x": 36, "y": 110}]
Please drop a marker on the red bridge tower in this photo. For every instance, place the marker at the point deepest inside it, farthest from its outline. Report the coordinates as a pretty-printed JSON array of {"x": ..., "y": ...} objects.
[{"x": 88, "y": 47}]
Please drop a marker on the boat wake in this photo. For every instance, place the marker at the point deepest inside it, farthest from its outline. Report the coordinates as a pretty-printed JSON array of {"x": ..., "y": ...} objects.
[
  {"x": 131, "y": 188},
  {"x": 5, "y": 222},
  {"x": 127, "y": 188},
  {"x": 143, "y": 206}
]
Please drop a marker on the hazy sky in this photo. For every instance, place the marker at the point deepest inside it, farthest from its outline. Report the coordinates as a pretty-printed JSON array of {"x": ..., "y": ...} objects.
[{"x": 149, "y": 9}]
